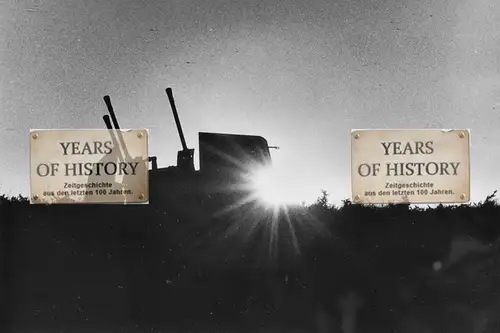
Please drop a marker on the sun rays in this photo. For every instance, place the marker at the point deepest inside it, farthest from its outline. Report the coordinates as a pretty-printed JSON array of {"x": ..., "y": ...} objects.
[{"x": 258, "y": 208}]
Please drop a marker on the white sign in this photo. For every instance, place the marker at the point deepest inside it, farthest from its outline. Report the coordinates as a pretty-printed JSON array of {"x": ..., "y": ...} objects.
[
  {"x": 89, "y": 166},
  {"x": 410, "y": 166}
]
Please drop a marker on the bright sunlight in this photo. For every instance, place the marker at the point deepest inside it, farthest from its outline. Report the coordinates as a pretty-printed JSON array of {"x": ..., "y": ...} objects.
[
  {"x": 279, "y": 189},
  {"x": 272, "y": 188}
]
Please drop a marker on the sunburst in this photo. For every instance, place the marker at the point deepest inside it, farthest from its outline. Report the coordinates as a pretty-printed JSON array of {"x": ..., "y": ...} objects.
[{"x": 259, "y": 201}]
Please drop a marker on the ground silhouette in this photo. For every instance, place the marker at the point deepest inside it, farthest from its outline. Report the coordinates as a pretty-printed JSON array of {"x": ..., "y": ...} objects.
[{"x": 120, "y": 268}]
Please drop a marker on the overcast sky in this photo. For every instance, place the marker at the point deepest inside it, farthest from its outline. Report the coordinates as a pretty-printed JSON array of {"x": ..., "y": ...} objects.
[{"x": 300, "y": 73}]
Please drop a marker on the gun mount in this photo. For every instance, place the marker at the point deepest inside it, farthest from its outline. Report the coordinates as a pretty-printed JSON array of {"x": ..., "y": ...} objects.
[
  {"x": 218, "y": 151},
  {"x": 223, "y": 159},
  {"x": 196, "y": 196}
]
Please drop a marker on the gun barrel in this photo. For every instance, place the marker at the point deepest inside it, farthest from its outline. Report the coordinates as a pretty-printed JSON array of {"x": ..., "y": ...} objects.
[
  {"x": 107, "y": 100},
  {"x": 176, "y": 117},
  {"x": 107, "y": 121}
]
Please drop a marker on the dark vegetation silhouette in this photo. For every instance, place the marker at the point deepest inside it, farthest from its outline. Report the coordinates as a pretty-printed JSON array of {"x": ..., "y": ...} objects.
[{"x": 82, "y": 268}]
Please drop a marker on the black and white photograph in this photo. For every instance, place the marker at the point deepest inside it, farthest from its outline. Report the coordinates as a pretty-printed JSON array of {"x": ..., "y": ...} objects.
[{"x": 249, "y": 166}]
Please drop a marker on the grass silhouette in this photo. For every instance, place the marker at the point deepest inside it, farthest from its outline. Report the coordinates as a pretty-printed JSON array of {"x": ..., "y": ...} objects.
[{"x": 148, "y": 267}]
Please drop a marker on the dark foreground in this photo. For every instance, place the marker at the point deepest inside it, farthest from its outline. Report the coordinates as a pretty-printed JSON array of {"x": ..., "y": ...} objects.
[{"x": 78, "y": 269}]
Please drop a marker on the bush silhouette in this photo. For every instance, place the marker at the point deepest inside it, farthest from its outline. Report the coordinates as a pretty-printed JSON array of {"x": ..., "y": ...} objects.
[{"x": 160, "y": 267}]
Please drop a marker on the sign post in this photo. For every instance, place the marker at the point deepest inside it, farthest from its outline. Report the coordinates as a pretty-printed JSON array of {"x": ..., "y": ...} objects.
[
  {"x": 87, "y": 166},
  {"x": 410, "y": 166}
]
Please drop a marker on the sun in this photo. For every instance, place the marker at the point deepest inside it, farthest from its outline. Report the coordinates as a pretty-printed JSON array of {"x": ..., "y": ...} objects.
[
  {"x": 265, "y": 200},
  {"x": 272, "y": 188}
]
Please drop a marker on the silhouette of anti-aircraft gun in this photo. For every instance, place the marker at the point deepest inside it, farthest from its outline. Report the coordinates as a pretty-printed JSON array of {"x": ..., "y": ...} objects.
[{"x": 224, "y": 159}]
